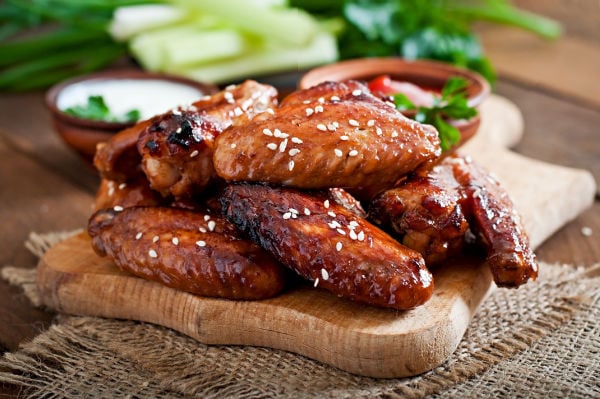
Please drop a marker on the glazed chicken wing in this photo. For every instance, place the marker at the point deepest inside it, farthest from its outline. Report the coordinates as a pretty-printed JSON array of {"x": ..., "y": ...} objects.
[
  {"x": 331, "y": 135},
  {"x": 189, "y": 251},
  {"x": 177, "y": 147},
  {"x": 425, "y": 212},
  {"x": 329, "y": 245},
  {"x": 134, "y": 192},
  {"x": 432, "y": 210}
]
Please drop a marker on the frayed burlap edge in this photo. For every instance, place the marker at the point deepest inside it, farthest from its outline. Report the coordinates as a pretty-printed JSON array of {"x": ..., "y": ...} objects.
[{"x": 140, "y": 360}]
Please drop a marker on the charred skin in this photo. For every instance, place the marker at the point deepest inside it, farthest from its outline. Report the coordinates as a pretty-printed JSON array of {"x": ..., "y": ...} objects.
[
  {"x": 189, "y": 251},
  {"x": 331, "y": 135},
  {"x": 177, "y": 147},
  {"x": 433, "y": 208},
  {"x": 329, "y": 245}
]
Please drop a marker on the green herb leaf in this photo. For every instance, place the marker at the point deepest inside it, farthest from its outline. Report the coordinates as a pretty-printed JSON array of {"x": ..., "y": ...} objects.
[
  {"x": 402, "y": 102},
  {"x": 451, "y": 104},
  {"x": 96, "y": 109}
]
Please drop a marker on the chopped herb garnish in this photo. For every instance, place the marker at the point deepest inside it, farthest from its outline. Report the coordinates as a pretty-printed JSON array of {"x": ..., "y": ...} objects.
[
  {"x": 451, "y": 104},
  {"x": 97, "y": 110}
]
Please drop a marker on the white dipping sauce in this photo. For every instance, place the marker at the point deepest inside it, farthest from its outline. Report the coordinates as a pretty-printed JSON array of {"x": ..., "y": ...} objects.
[{"x": 149, "y": 96}]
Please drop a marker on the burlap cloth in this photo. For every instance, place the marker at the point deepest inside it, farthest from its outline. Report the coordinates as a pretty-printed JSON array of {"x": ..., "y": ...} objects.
[{"x": 542, "y": 340}]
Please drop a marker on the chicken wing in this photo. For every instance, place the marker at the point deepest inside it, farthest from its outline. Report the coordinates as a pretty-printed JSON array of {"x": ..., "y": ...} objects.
[
  {"x": 331, "y": 135},
  {"x": 177, "y": 147},
  {"x": 189, "y": 251},
  {"x": 425, "y": 213},
  {"x": 329, "y": 245},
  {"x": 134, "y": 192},
  {"x": 432, "y": 210}
]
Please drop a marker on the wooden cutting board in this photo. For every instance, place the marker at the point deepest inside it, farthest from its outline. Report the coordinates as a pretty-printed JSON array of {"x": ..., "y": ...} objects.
[{"x": 360, "y": 339}]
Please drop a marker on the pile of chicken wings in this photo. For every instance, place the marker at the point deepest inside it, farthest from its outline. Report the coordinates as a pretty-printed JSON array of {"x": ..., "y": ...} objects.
[{"x": 237, "y": 194}]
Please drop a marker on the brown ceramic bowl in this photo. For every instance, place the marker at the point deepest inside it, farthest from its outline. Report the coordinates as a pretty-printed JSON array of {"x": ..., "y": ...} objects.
[
  {"x": 427, "y": 74},
  {"x": 83, "y": 134}
]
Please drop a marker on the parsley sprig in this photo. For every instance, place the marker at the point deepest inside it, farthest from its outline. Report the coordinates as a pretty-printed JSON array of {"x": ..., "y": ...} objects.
[
  {"x": 452, "y": 104},
  {"x": 96, "y": 109}
]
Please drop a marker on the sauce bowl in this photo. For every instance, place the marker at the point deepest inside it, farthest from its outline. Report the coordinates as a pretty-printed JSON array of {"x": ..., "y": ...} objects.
[
  {"x": 426, "y": 74},
  {"x": 131, "y": 88}
]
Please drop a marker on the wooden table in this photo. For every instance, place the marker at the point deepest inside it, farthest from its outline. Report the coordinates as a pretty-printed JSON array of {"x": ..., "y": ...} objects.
[{"x": 46, "y": 187}]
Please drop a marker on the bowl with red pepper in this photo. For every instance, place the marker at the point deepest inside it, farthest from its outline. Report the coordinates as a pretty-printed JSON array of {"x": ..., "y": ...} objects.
[{"x": 432, "y": 92}]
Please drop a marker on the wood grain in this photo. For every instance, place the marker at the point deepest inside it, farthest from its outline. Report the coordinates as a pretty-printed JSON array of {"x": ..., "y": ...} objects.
[{"x": 360, "y": 339}]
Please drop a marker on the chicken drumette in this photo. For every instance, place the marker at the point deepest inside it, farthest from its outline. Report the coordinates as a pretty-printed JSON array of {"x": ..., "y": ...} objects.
[{"x": 432, "y": 210}]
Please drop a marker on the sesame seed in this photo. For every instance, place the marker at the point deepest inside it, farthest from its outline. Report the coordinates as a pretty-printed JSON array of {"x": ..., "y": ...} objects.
[
  {"x": 155, "y": 239},
  {"x": 331, "y": 213},
  {"x": 306, "y": 211},
  {"x": 309, "y": 111},
  {"x": 336, "y": 124},
  {"x": 122, "y": 186},
  {"x": 138, "y": 235},
  {"x": 352, "y": 235},
  {"x": 333, "y": 225},
  {"x": 293, "y": 151},
  {"x": 371, "y": 122},
  {"x": 357, "y": 92},
  {"x": 178, "y": 130},
  {"x": 338, "y": 246},
  {"x": 282, "y": 145},
  {"x": 586, "y": 231},
  {"x": 331, "y": 127},
  {"x": 296, "y": 140},
  {"x": 344, "y": 138},
  {"x": 270, "y": 111},
  {"x": 324, "y": 274},
  {"x": 316, "y": 282},
  {"x": 353, "y": 224},
  {"x": 353, "y": 122},
  {"x": 342, "y": 232},
  {"x": 353, "y": 153},
  {"x": 287, "y": 215},
  {"x": 152, "y": 253},
  {"x": 335, "y": 98},
  {"x": 379, "y": 131},
  {"x": 238, "y": 111},
  {"x": 361, "y": 236},
  {"x": 201, "y": 243},
  {"x": 394, "y": 134},
  {"x": 194, "y": 154},
  {"x": 117, "y": 208},
  {"x": 211, "y": 225},
  {"x": 228, "y": 97},
  {"x": 267, "y": 132},
  {"x": 294, "y": 210},
  {"x": 272, "y": 146},
  {"x": 206, "y": 218},
  {"x": 326, "y": 204},
  {"x": 291, "y": 166},
  {"x": 321, "y": 100},
  {"x": 322, "y": 127},
  {"x": 338, "y": 152},
  {"x": 201, "y": 229},
  {"x": 306, "y": 102},
  {"x": 233, "y": 145},
  {"x": 175, "y": 241},
  {"x": 279, "y": 134},
  {"x": 318, "y": 108}
]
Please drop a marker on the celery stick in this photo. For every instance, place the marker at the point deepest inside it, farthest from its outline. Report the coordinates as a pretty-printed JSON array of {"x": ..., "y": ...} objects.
[
  {"x": 131, "y": 20},
  {"x": 290, "y": 26},
  {"x": 205, "y": 46},
  {"x": 322, "y": 49},
  {"x": 156, "y": 50}
]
